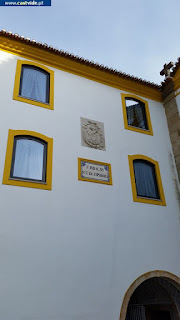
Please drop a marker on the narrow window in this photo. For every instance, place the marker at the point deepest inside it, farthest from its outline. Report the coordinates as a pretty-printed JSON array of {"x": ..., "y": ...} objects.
[
  {"x": 29, "y": 159},
  {"x": 34, "y": 84},
  {"x": 146, "y": 180},
  {"x": 136, "y": 114},
  {"x": 145, "y": 177}
]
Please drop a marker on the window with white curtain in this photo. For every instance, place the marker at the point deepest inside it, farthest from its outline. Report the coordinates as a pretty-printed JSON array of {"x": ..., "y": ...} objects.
[
  {"x": 29, "y": 159},
  {"x": 136, "y": 114},
  {"x": 145, "y": 179},
  {"x": 34, "y": 83}
]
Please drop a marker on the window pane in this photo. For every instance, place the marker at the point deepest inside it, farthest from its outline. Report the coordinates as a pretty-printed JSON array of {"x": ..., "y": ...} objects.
[
  {"x": 34, "y": 84},
  {"x": 28, "y": 159},
  {"x": 145, "y": 176},
  {"x": 136, "y": 113}
]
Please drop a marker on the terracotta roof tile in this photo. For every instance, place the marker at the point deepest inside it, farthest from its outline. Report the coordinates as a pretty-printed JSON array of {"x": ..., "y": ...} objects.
[{"x": 79, "y": 59}]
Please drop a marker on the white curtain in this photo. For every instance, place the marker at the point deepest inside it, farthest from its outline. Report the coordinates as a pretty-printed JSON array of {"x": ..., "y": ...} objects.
[
  {"x": 34, "y": 84},
  {"x": 136, "y": 112},
  {"x": 28, "y": 161},
  {"x": 130, "y": 114},
  {"x": 145, "y": 179}
]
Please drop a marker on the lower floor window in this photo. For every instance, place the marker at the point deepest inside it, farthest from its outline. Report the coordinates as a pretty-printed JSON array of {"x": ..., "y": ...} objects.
[
  {"x": 145, "y": 177},
  {"x": 146, "y": 180},
  {"x": 28, "y": 160}
]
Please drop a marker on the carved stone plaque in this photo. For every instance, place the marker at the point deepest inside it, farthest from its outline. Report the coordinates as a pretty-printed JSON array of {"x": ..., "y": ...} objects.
[
  {"x": 94, "y": 171},
  {"x": 92, "y": 134}
]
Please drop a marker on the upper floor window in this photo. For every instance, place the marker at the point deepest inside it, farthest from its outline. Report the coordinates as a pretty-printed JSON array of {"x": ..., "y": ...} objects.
[
  {"x": 146, "y": 180},
  {"x": 136, "y": 114},
  {"x": 34, "y": 84},
  {"x": 28, "y": 160}
]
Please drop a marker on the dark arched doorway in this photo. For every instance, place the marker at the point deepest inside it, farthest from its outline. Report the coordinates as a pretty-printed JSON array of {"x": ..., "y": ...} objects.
[{"x": 152, "y": 297}]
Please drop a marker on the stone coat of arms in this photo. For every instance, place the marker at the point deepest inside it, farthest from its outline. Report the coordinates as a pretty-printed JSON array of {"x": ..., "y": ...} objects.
[{"x": 92, "y": 134}]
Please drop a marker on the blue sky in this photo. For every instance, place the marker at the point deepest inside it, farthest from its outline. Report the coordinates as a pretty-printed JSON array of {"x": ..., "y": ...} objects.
[{"x": 133, "y": 36}]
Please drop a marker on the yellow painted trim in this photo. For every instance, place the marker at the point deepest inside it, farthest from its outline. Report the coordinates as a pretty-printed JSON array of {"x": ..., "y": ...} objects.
[
  {"x": 177, "y": 94},
  {"x": 93, "y": 180},
  {"x": 175, "y": 280},
  {"x": 177, "y": 83},
  {"x": 176, "y": 80},
  {"x": 8, "y": 159},
  {"x": 137, "y": 198},
  {"x": 16, "y": 95},
  {"x": 55, "y": 60},
  {"x": 148, "y": 118}
]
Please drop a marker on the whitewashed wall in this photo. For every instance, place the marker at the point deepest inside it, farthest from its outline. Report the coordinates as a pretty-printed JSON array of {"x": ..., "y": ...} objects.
[{"x": 71, "y": 253}]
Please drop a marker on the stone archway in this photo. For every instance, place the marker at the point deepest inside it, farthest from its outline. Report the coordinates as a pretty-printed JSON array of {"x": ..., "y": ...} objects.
[{"x": 168, "y": 277}]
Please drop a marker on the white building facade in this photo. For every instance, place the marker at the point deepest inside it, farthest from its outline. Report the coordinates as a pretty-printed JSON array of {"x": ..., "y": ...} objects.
[{"x": 78, "y": 249}]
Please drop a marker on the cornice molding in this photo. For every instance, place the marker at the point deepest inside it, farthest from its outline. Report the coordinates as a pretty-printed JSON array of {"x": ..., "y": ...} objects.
[{"x": 69, "y": 64}]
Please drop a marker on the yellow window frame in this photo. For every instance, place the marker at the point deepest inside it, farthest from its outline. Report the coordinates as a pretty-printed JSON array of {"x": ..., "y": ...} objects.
[
  {"x": 16, "y": 95},
  {"x": 149, "y": 131},
  {"x": 8, "y": 160},
  {"x": 161, "y": 201}
]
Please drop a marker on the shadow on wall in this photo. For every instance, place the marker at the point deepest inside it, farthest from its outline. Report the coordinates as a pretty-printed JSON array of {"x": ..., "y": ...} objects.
[{"x": 175, "y": 179}]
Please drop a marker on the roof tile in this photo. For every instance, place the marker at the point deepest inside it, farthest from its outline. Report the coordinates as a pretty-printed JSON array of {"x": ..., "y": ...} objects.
[{"x": 82, "y": 60}]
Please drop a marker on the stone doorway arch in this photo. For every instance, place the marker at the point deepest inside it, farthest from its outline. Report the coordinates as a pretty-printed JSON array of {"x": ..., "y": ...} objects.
[{"x": 162, "y": 276}]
